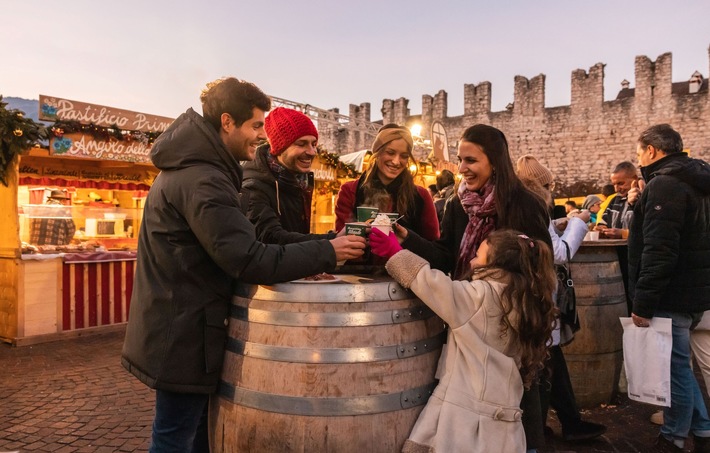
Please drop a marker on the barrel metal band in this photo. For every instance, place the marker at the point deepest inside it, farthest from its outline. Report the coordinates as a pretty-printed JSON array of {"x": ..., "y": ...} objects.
[
  {"x": 334, "y": 355},
  {"x": 342, "y": 319},
  {"x": 326, "y": 407}
]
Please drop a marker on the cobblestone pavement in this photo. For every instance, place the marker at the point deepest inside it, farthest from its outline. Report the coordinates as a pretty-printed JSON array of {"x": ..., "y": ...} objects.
[{"x": 73, "y": 396}]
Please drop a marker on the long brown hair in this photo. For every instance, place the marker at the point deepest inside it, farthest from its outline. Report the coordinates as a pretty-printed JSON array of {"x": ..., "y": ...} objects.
[
  {"x": 510, "y": 193},
  {"x": 526, "y": 265},
  {"x": 407, "y": 190}
]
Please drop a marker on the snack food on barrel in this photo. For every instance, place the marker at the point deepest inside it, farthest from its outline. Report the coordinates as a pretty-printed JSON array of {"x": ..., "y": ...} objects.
[{"x": 319, "y": 277}]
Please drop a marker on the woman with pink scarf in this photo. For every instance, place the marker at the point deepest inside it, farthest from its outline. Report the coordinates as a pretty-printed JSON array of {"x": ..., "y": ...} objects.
[{"x": 489, "y": 196}]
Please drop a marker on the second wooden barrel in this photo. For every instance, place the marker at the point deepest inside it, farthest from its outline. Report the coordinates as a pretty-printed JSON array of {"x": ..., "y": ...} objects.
[
  {"x": 595, "y": 357},
  {"x": 336, "y": 367}
]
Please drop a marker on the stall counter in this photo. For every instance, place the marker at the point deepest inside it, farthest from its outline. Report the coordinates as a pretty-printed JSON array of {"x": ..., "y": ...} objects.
[{"x": 71, "y": 294}]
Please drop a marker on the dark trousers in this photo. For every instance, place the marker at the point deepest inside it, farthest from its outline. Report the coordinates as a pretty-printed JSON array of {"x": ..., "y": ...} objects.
[
  {"x": 557, "y": 391},
  {"x": 180, "y": 424},
  {"x": 532, "y": 417},
  {"x": 623, "y": 253}
]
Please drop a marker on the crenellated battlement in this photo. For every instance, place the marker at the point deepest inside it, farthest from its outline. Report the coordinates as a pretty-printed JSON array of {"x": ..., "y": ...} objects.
[{"x": 581, "y": 142}]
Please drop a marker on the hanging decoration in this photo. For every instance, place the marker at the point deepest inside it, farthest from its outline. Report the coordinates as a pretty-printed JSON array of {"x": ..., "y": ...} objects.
[
  {"x": 333, "y": 160},
  {"x": 17, "y": 134},
  {"x": 101, "y": 133}
]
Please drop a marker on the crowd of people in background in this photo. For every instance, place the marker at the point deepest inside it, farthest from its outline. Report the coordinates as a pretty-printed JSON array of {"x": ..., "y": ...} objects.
[{"x": 233, "y": 204}]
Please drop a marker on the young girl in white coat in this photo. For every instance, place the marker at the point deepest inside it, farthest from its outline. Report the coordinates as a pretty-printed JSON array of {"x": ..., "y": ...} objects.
[{"x": 500, "y": 323}]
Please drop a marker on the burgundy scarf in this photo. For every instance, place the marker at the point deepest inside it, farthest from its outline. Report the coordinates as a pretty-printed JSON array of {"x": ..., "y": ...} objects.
[{"x": 481, "y": 210}]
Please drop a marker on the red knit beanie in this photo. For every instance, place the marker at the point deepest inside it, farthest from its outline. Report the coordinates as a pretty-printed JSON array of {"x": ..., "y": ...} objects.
[{"x": 285, "y": 126}]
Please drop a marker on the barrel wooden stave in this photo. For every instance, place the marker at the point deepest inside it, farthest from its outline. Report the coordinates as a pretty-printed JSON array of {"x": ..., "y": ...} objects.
[
  {"x": 595, "y": 356},
  {"x": 362, "y": 433},
  {"x": 237, "y": 427}
]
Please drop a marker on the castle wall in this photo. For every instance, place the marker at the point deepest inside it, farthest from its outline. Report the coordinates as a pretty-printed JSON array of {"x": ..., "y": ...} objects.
[{"x": 581, "y": 142}]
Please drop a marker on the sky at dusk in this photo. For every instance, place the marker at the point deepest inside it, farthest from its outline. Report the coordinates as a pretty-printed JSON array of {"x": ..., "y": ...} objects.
[{"x": 156, "y": 56}]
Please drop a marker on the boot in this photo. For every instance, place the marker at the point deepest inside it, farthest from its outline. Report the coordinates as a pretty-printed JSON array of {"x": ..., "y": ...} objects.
[
  {"x": 664, "y": 445},
  {"x": 701, "y": 444},
  {"x": 582, "y": 430}
]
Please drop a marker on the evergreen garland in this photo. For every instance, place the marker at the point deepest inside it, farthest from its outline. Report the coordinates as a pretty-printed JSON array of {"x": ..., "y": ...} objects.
[
  {"x": 17, "y": 134},
  {"x": 101, "y": 133},
  {"x": 332, "y": 159}
]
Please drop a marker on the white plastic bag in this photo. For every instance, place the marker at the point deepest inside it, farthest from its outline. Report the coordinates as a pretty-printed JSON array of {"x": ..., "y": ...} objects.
[{"x": 647, "y": 360}]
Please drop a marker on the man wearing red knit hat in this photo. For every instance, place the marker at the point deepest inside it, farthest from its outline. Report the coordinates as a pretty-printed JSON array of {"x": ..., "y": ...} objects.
[{"x": 278, "y": 183}]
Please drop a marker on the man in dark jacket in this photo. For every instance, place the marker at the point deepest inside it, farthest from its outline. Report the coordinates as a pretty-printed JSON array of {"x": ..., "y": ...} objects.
[
  {"x": 194, "y": 244},
  {"x": 618, "y": 212},
  {"x": 669, "y": 269},
  {"x": 278, "y": 183}
]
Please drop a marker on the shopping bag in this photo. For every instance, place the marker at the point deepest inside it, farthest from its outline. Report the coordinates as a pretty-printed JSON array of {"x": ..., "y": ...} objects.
[{"x": 647, "y": 361}]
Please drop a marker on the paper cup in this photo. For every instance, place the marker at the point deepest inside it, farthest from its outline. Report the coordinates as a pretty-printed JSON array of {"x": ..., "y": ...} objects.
[
  {"x": 392, "y": 215},
  {"x": 384, "y": 228},
  {"x": 593, "y": 235},
  {"x": 365, "y": 213},
  {"x": 356, "y": 229}
]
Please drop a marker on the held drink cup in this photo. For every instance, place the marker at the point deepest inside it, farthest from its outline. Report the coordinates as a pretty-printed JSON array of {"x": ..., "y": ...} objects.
[
  {"x": 356, "y": 229},
  {"x": 365, "y": 213}
]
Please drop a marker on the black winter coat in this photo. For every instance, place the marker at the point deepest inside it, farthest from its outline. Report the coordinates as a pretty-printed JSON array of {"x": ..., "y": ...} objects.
[
  {"x": 195, "y": 244},
  {"x": 277, "y": 208},
  {"x": 669, "y": 238}
]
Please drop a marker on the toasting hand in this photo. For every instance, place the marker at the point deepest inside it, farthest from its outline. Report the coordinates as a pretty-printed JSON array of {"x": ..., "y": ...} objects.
[
  {"x": 384, "y": 245},
  {"x": 348, "y": 247}
]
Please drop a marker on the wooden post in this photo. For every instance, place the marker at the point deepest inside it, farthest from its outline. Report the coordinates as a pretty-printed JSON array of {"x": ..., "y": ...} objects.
[{"x": 10, "y": 253}]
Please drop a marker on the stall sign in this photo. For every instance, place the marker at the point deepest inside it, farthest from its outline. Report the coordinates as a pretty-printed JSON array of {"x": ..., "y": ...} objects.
[
  {"x": 77, "y": 172},
  {"x": 323, "y": 172},
  {"x": 57, "y": 109},
  {"x": 82, "y": 145}
]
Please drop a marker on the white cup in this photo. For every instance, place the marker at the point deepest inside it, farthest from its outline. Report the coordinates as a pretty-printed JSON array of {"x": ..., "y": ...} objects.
[{"x": 593, "y": 235}]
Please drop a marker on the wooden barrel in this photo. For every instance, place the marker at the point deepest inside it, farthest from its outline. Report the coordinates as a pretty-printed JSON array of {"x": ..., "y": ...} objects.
[
  {"x": 595, "y": 357},
  {"x": 336, "y": 367}
]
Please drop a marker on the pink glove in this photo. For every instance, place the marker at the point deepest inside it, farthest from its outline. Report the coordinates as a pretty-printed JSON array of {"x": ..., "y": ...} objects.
[{"x": 383, "y": 245}]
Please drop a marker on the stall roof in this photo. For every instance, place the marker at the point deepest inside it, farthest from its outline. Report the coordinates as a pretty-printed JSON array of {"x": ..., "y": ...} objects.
[{"x": 357, "y": 159}]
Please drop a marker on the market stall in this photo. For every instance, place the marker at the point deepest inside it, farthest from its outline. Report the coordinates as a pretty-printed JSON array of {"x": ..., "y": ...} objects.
[
  {"x": 330, "y": 170},
  {"x": 91, "y": 181}
]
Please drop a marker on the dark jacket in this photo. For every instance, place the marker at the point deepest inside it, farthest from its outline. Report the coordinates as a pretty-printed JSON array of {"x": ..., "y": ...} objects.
[
  {"x": 669, "y": 238},
  {"x": 279, "y": 209},
  {"x": 194, "y": 244},
  {"x": 617, "y": 213},
  {"x": 440, "y": 201}
]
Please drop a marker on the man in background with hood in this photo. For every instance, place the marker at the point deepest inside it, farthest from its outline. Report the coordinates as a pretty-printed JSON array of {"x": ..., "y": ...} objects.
[
  {"x": 195, "y": 244},
  {"x": 278, "y": 183},
  {"x": 669, "y": 269}
]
